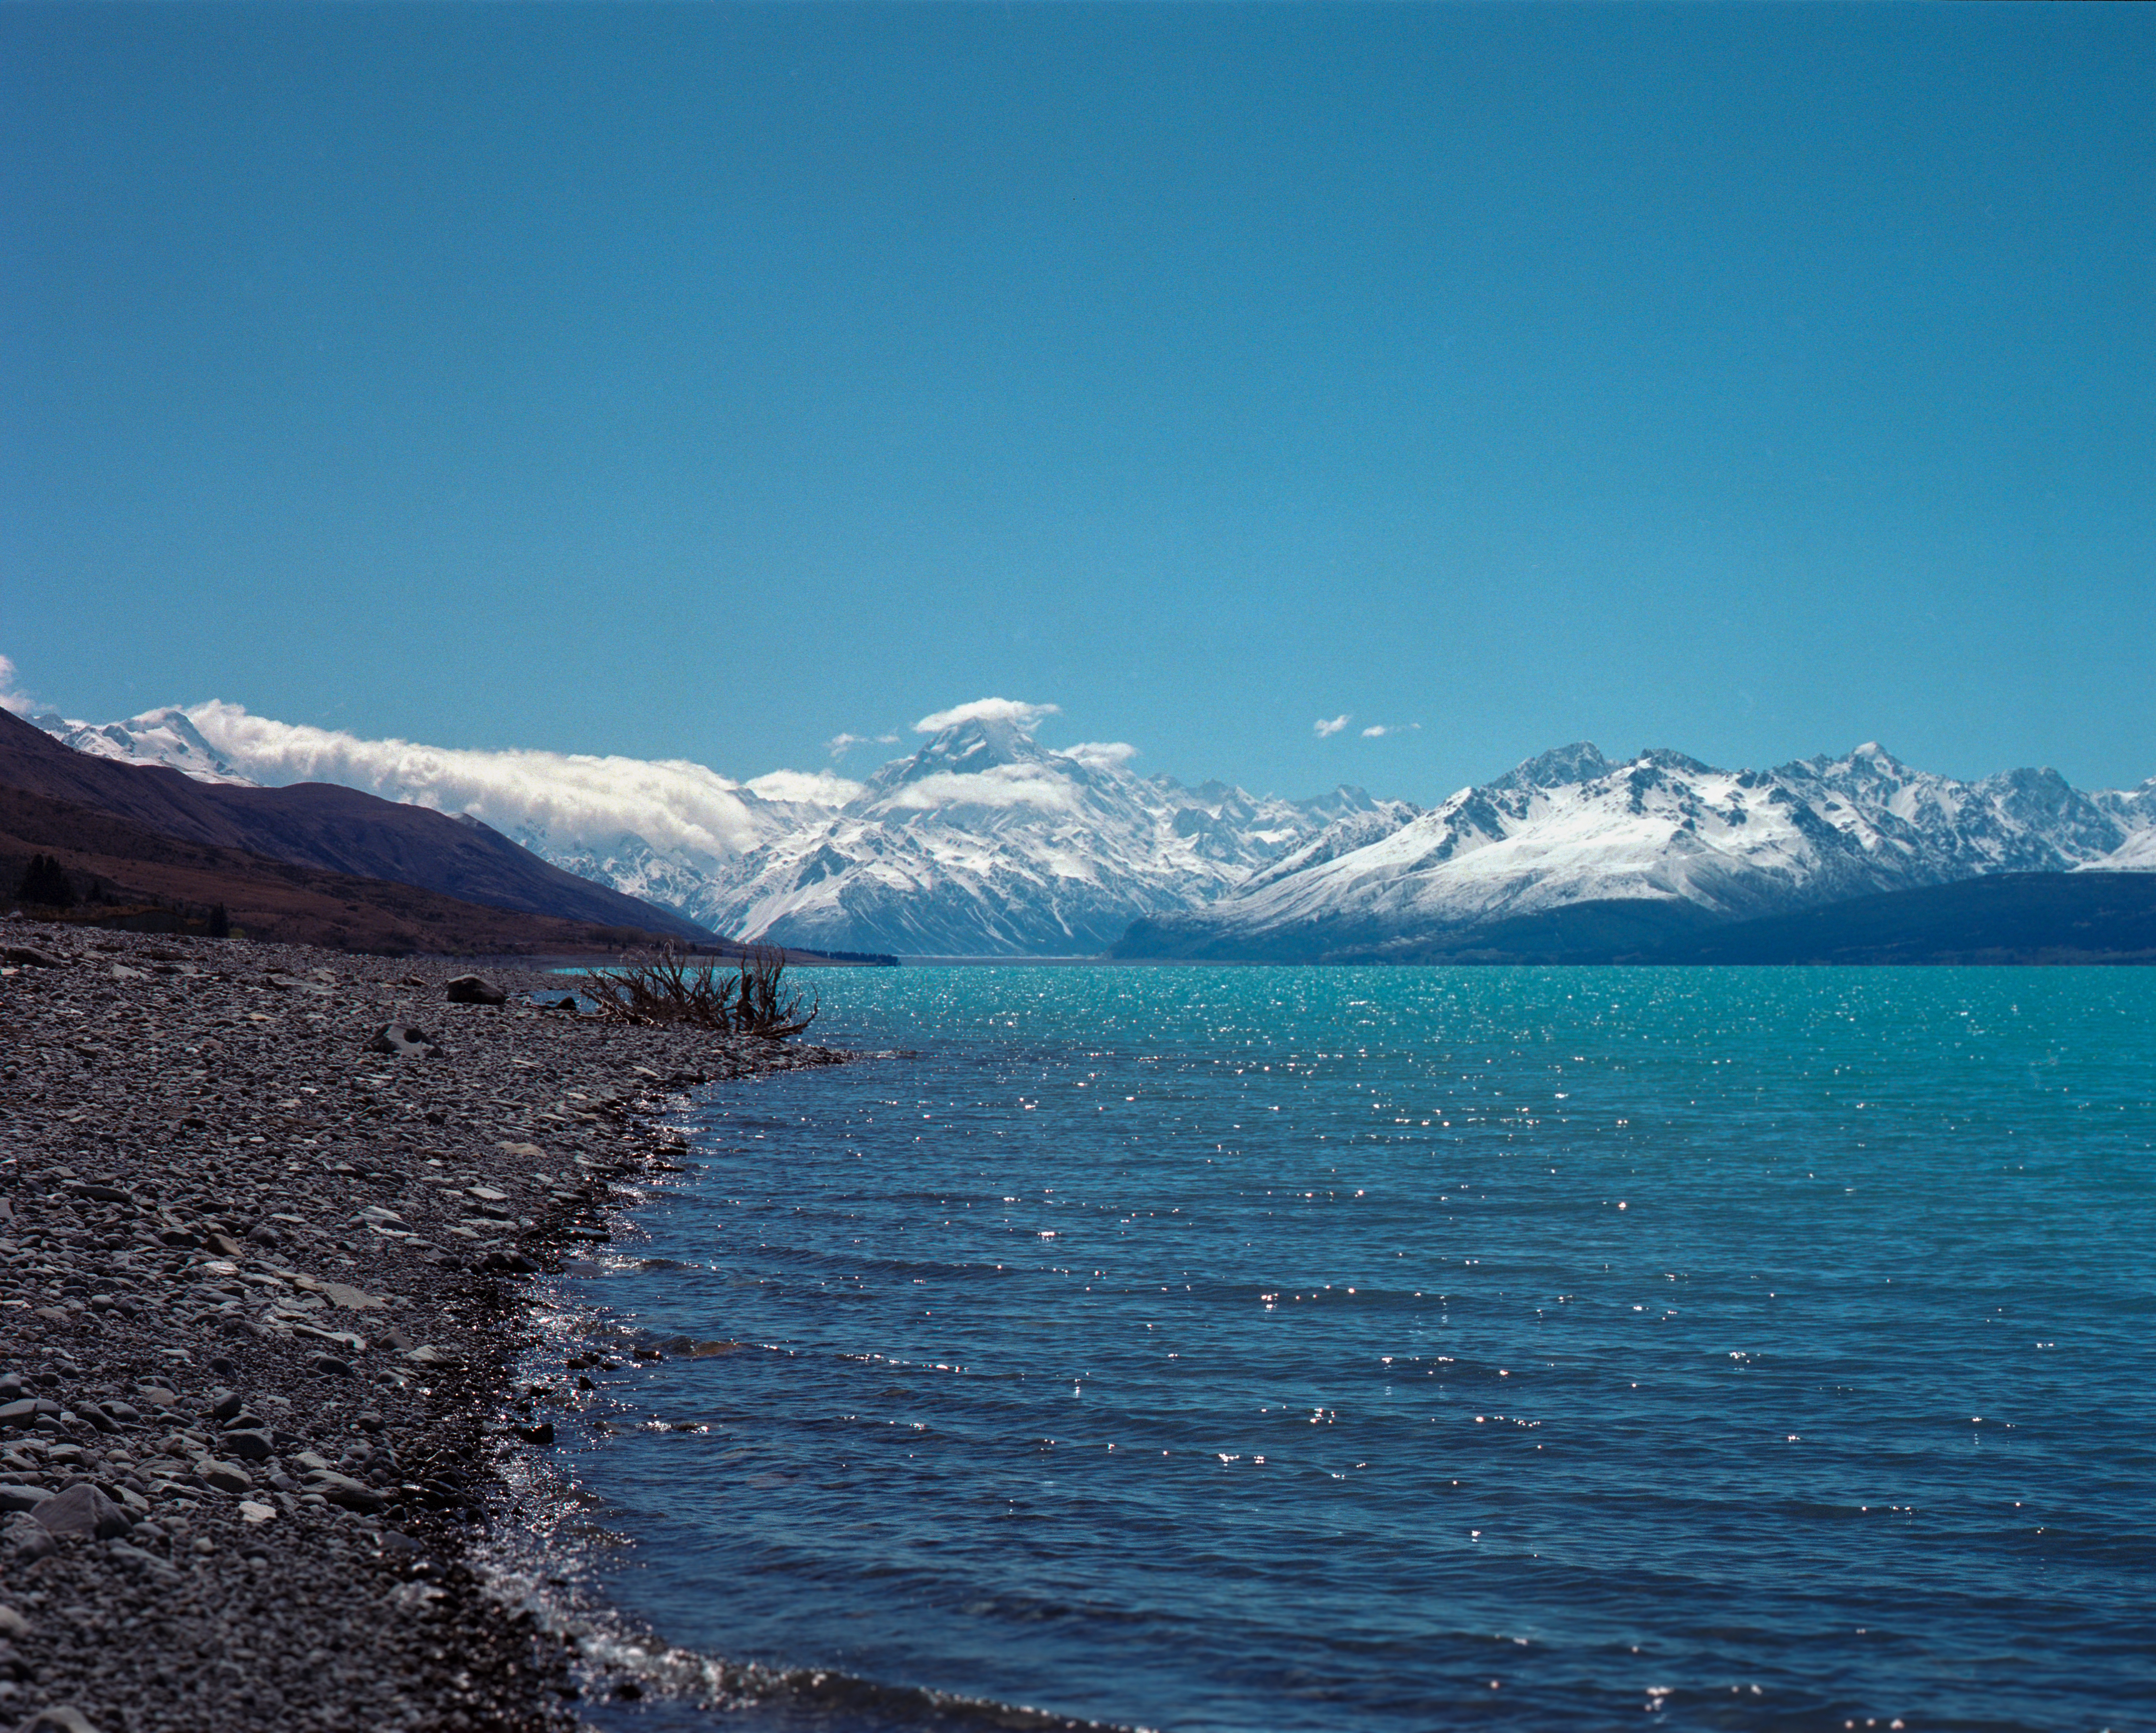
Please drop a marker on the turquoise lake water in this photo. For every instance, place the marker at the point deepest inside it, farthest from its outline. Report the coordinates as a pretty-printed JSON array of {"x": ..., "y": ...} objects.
[{"x": 1239, "y": 1350}]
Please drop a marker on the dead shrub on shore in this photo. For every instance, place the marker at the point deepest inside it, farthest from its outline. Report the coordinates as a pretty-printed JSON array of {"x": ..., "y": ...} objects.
[{"x": 749, "y": 997}]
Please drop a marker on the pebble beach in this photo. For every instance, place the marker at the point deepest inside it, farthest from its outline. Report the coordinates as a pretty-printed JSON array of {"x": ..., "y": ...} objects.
[{"x": 267, "y": 1219}]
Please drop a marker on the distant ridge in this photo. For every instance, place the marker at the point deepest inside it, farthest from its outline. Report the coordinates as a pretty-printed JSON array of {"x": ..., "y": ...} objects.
[
  {"x": 2007, "y": 917},
  {"x": 1570, "y": 854},
  {"x": 145, "y": 877},
  {"x": 326, "y": 828}
]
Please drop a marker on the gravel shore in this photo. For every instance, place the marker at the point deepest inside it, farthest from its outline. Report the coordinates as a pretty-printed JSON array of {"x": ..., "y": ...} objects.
[{"x": 259, "y": 1305}]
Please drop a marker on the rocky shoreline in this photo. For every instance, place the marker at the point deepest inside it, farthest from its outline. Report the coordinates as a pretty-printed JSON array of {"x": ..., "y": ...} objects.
[{"x": 260, "y": 1303}]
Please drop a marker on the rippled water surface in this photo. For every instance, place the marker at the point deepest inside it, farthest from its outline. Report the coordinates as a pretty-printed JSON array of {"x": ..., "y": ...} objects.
[{"x": 1255, "y": 1349}]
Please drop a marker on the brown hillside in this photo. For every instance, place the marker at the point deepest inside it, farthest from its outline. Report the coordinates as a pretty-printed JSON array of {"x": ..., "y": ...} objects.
[{"x": 271, "y": 899}]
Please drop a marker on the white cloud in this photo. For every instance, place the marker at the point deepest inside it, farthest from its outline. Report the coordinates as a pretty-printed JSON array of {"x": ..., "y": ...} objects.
[
  {"x": 1326, "y": 730},
  {"x": 1020, "y": 715},
  {"x": 1377, "y": 731},
  {"x": 841, "y": 744},
  {"x": 816, "y": 788},
  {"x": 672, "y": 804},
  {"x": 1005, "y": 786},
  {"x": 1101, "y": 754},
  {"x": 12, "y": 698}
]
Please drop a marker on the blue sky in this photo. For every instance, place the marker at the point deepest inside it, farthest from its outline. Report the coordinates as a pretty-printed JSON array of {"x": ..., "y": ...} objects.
[{"x": 708, "y": 382}]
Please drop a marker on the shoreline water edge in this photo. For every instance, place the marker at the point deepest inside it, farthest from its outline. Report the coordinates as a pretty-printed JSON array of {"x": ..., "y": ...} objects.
[{"x": 265, "y": 1217}]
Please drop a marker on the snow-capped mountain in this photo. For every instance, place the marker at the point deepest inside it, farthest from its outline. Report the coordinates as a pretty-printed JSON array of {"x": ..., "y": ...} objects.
[
  {"x": 982, "y": 843},
  {"x": 1570, "y": 828},
  {"x": 156, "y": 736}
]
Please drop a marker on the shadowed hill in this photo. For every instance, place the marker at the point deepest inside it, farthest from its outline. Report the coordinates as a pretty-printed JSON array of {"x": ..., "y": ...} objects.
[
  {"x": 271, "y": 899},
  {"x": 2007, "y": 917},
  {"x": 2087, "y": 917}
]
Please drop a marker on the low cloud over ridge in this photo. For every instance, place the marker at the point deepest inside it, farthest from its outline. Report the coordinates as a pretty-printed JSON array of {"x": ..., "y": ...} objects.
[
  {"x": 1101, "y": 754},
  {"x": 1020, "y": 715},
  {"x": 671, "y": 803},
  {"x": 594, "y": 805},
  {"x": 1002, "y": 786},
  {"x": 12, "y": 698},
  {"x": 841, "y": 744}
]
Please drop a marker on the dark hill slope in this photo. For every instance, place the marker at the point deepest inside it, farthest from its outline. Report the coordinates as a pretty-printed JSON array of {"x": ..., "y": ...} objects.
[
  {"x": 1597, "y": 931},
  {"x": 2006, "y": 918},
  {"x": 271, "y": 899},
  {"x": 331, "y": 828}
]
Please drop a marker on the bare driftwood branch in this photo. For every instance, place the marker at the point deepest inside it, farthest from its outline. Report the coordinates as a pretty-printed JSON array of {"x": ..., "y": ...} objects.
[{"x": 750, "y": 998}]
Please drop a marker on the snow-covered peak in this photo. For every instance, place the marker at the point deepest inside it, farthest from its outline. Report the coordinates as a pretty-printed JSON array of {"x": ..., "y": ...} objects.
[
  {"x": 981, "y": 764},
  {"x": 978, "y": 742},
  {"x": 1868, "y": 772},
  {"x": 984, "y": 841},
  {"x": 1579, "y": 761},
  {"x": 166, "y": 737}
]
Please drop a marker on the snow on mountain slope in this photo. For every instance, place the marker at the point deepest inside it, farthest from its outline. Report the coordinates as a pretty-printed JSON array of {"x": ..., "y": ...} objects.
[
  {"x": 2134, "y": 810},
  {"x": 1570, "y": 828},
  {"x": 156, "y": 736},
  {"x": 984, "y": 842}
]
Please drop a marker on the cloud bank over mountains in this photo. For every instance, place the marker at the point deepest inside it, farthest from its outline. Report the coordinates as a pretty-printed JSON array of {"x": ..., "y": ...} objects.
[
  {"x": 1010, "y": 712},
  {"x": 579, "y": 800},
  {"x": 671, "y": 803}
]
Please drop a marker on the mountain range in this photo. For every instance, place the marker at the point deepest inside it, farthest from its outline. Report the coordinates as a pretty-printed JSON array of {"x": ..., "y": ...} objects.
[
  {"x": 1656, "y": 845},
  {"x": 984, "y": 842}
]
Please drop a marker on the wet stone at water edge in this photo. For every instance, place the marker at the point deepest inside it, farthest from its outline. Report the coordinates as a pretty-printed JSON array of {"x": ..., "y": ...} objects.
[{"x": 266, "y": 1217}]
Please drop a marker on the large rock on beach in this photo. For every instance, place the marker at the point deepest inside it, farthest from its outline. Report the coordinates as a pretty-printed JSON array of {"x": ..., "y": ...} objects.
[
  {"x": 28, "y": 1539},
  {"x": 83, "y": 1510},
  {"x": 342, "y": 1489},
  {"x": 407, "y": 1040},
  {"x": 475, "y": 990}
]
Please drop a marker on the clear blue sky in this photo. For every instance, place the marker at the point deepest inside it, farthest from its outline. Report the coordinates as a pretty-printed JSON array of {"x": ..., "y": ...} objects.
[{"x": 707, "y": 381}]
